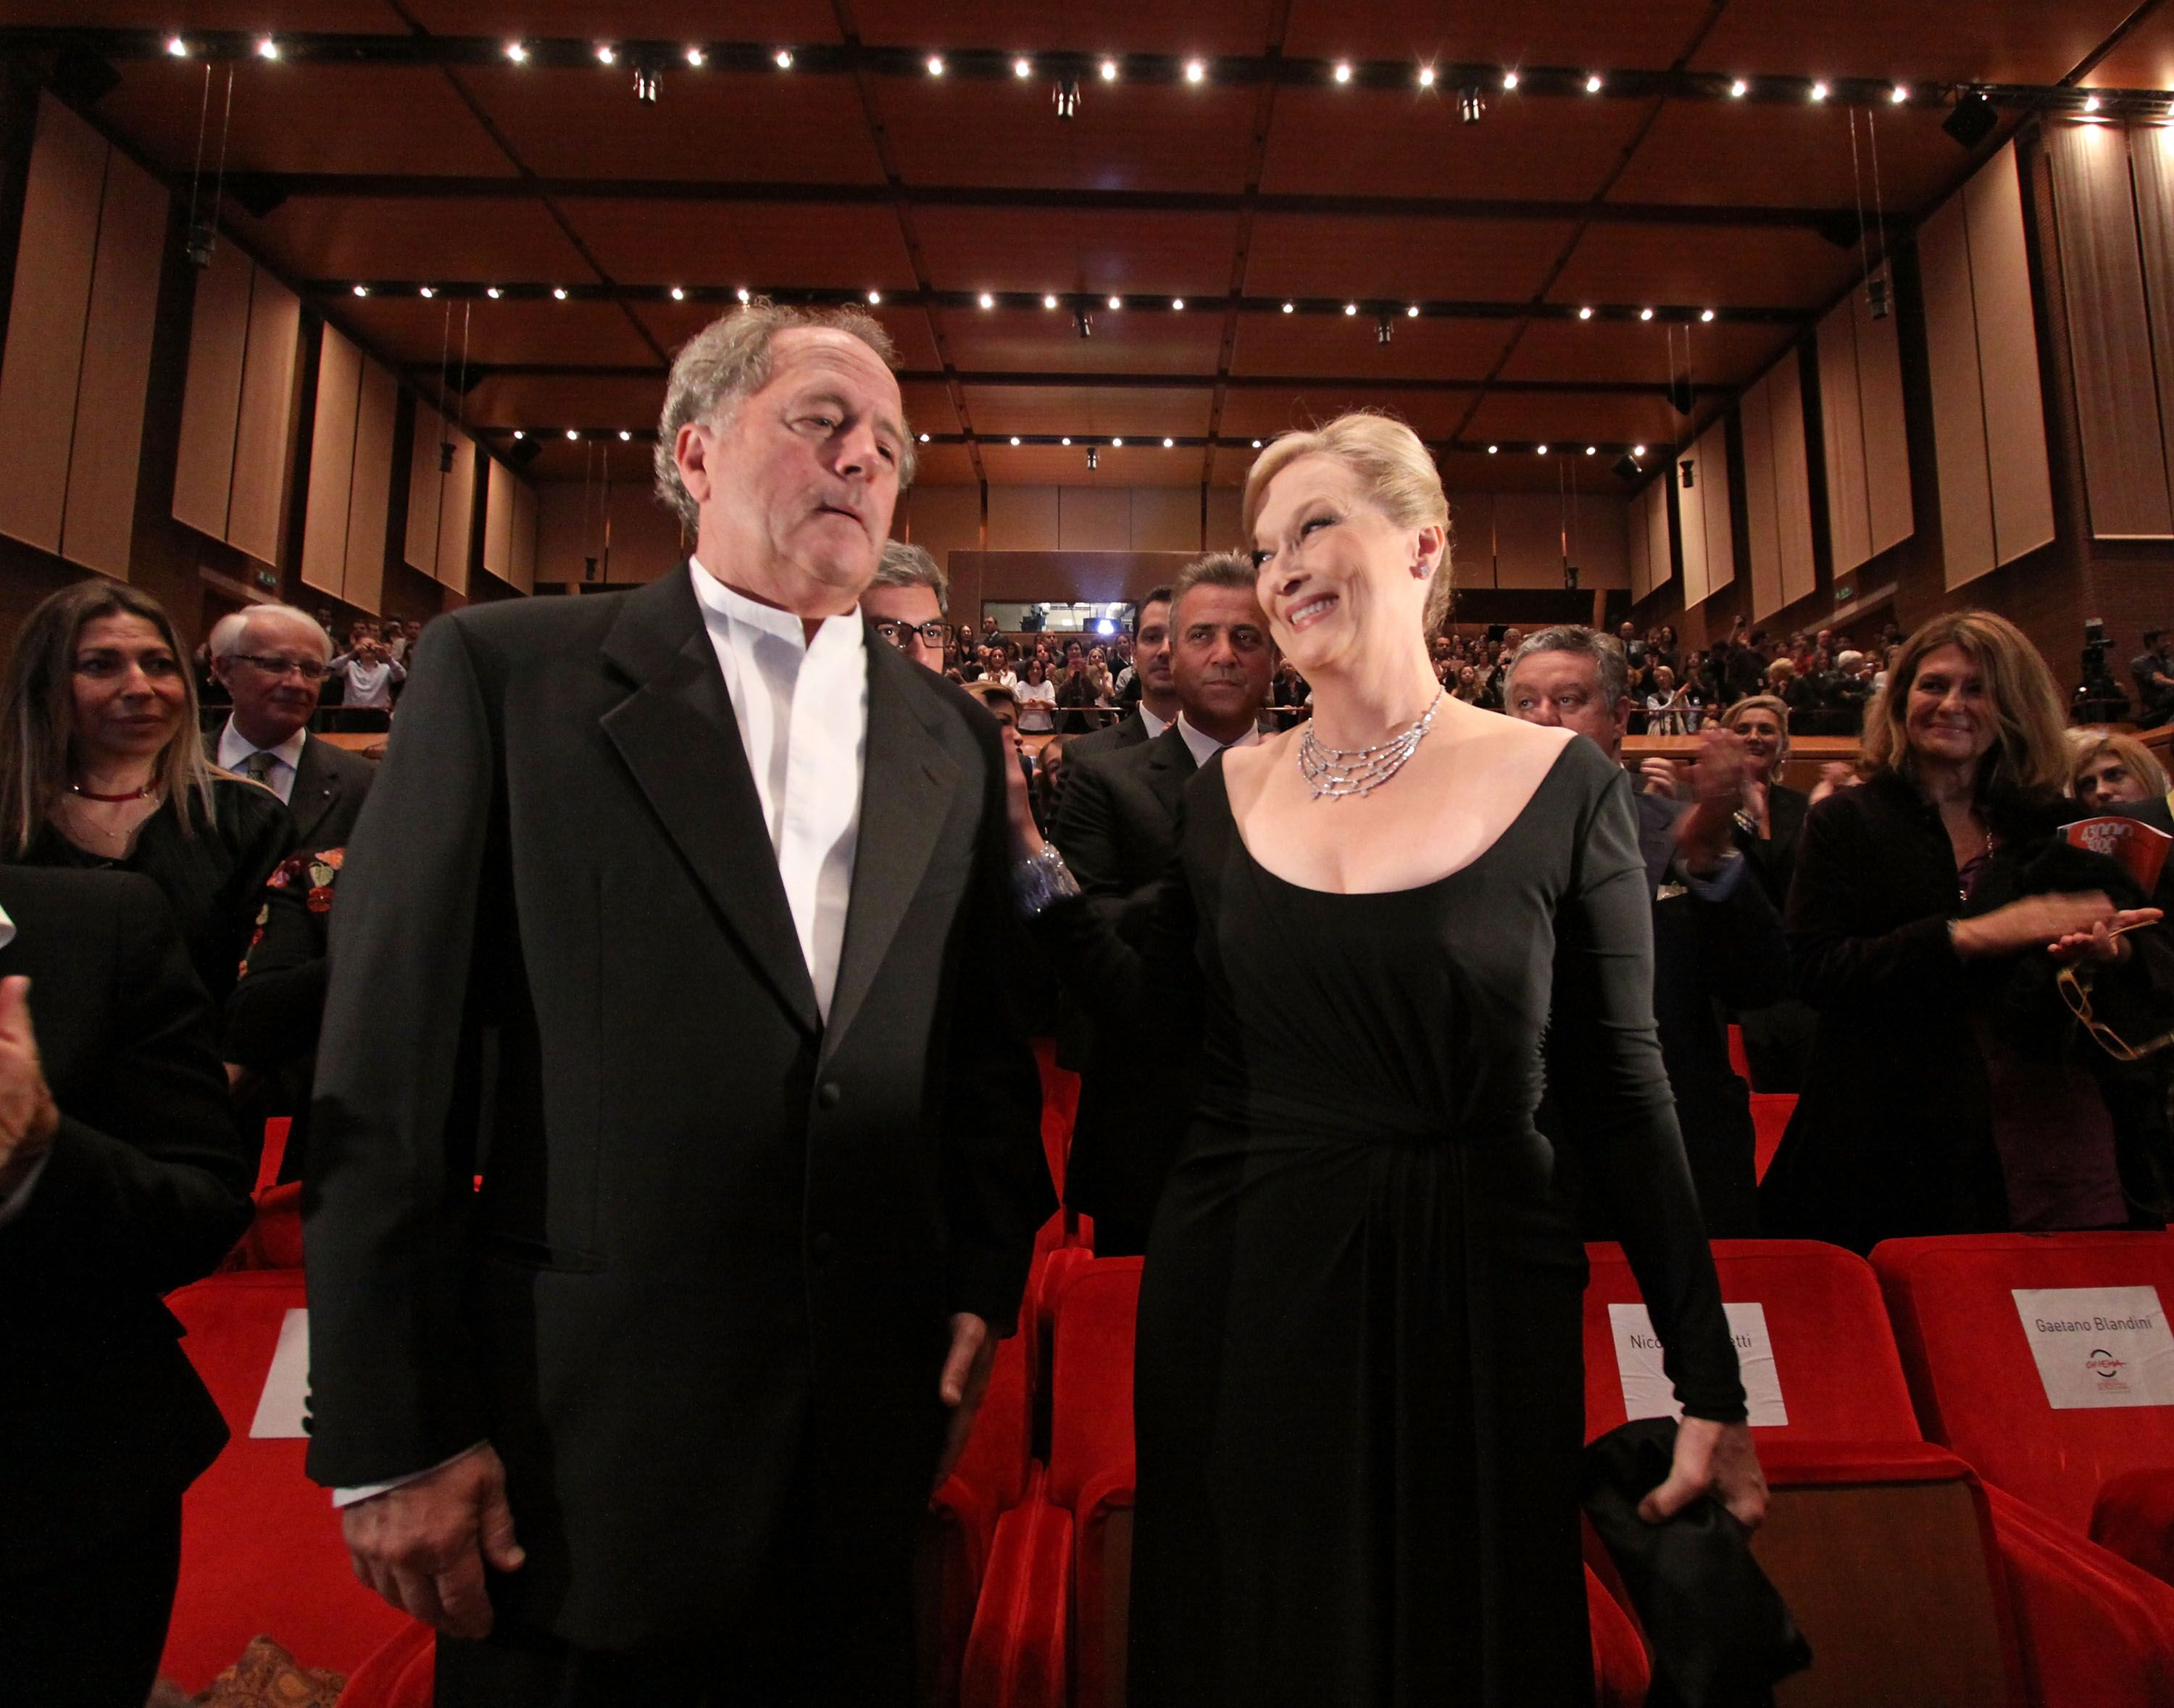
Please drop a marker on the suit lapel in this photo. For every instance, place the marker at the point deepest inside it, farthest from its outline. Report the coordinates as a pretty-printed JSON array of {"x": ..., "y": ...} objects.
[
  {"x": 678, "y": 737},
  {"x": 1170, "y": 766},
  {"x": 312, "y": 796},
  {"x": 907, "y": 790}
]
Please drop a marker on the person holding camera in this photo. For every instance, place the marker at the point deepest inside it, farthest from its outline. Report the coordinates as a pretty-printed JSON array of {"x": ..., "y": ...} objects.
[
  {"x": 368, "y": 671},
  {"x": 2152, "y": 670}
]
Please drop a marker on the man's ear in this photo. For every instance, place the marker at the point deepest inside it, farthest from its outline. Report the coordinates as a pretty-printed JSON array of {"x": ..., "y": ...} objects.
[{"x": 692, "y": 449}]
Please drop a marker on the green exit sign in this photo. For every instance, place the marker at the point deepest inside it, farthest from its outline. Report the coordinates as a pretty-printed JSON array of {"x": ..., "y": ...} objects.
[{"x": 267, "y": 579}]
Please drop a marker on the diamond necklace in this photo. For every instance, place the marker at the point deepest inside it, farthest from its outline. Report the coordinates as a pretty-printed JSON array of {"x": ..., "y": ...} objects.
[{"x": 1336, "y": 774}]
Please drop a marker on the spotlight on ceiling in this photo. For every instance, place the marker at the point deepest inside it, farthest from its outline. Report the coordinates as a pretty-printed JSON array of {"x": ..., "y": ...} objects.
[
  {"x": 1972, "y": 120},
  {"x": 571, "y": 433},
  {"x": 559, "y": 293},
  {"x": 517, "y": 52},
  {"x": 694, "y": 58},
  {"x": 1344, "y": 71},
  {"x": 1471, "y": 105},
  {"x": 1177, "y": 305},
  {"x": 1049, "y": 302},
  {"x": 1591, "y": 450},
  {"x": 1593, "y": 84},
  {"x": 1899, "y": 94},
  {"x": 1014, "y": 438},
  {"x": 648, "y": 84},
  {"x": 1195, "y": 70},
  {"x": 2090, "y": 102},
  {"x": 625, "y": 437},
  {"x": 1256, "y": 445},
  {"x": 1385, "y": 329},
  {"x": 1412, "y": 312},
  {"x": 1820, "y": 91},
  {"x": 1540, "y": 450},
  {"x": 986, "y": 300},
  {"x": 1585, "y": 314},
  {"x": 1509, "y": 80},
  {"x": 1645, "y": 314},
  {"x": 1116, "y": 441},
  {"x": 935, "y": 64},
  {"x": 1066, "y": 439},
  {"x": 1738, "y": 90},
  {"x": 177, "y": 47},
  {"x": 1707, "y": 314},
  {"x": 362, "y": 290},
  {"x": 1350, "y": 308},
  {"x": 1022, "y": 69},
  {"x": 783, "y": 59},
  {"x": 1492, "y": 449},
  {"x": 745, "y": 294},
  {"x": 875, "y": 299},
  {"x": 1108, "y": 71},
  {"x": 1427, "y": 77},
  {"x": 1169, "y": 444},
  {"x": 1082, "y": 323},
  {"x": 493, "y": 292},
  {"x": 924, "y": 439},
  {"x": 1116, "y": 302},
  {"x": 1637, "y": 450},
  {"x": 1068, "y": 98},
  {"x": 678, "y": 294},
  {"x": 1627, "y": 466},
  {"x": 427, "y": 292},
  {"x": 267, "y": 48},
  {"x": 1291, "y": 308},
  {"x": 607, "y": 54}
]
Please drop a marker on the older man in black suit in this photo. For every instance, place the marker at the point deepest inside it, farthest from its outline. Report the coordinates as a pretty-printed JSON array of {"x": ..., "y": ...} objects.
[
  {"x": 1117, "y": 830},
  {"x": 272, "y": 660},
  {"x": 1716, "y": 938},
  {"x": 678, "y": 915},
  {"x": 122, "y": 1177}
]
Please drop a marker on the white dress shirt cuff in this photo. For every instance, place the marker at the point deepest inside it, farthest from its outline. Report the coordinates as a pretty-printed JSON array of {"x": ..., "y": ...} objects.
[
  {"x": 18, "y": 1201},
  {"x": 371, "y": 1491}
]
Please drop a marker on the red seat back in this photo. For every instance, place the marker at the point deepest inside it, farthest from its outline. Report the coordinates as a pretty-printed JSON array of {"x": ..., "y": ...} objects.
[
  {"x": 1091, "y": 1427},
  {"x": 1975, "y": 1383}
]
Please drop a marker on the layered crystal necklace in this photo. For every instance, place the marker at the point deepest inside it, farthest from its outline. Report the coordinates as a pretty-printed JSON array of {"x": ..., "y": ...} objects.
[{"x": 1336, "y": 774}]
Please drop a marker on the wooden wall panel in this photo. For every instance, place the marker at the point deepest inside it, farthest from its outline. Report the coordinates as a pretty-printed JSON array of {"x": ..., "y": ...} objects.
[
  {"x": 1528, "y": 528},
  {"x": 1711, "y": 451},
  {"x": 1841, "y": 416},
  {"x": 263, "y": 424},
  {"x": 51, "y": 306},
  {"x": 1640, "y": 541},
  {"x": 1225, "y": 504},
  {"x": 1164, "y": 518},
  {"x": 1891, "y": 511},
  {"x": 457, "y": 502},
  {"x": 332, "y": 464},
  {"x": 425, "y": 491},
  {"x": 498, "y": 519},
  {"x": 1023, "y": 518},
  {"x": 1660, "y": 560},
  {"x": 369, "y": 500},
  {"x": 106, "y": 454},
  {"x": 1756, "y": 418},
  {"x": 1958, "y": 395},
  {"x": 1691, "y": 525},
  {"x": 211, "y": 402},
  {"x": 2151, "y": 173},
  {"x": 1792, "y": 483},
  {"x": 2125, "y": 466},
  {"x": 524, "y": 536},
  {"x": 943, "y": 518},
  {"x": 1095, "y": 519},
  {"x": 2021, "y": 479}
]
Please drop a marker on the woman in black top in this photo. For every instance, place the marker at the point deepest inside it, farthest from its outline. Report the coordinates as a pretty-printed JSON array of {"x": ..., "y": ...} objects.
[
  {"x": 103, "y": 767},
  {"x": 1949, "y": 1089},
  {"x": 1777, "y": 1040}
]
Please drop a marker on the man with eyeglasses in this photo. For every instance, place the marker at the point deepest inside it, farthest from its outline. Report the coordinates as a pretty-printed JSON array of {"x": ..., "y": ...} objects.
[
  {"x": 905, "y": 604},
  {"x": 273, "y": 660}
]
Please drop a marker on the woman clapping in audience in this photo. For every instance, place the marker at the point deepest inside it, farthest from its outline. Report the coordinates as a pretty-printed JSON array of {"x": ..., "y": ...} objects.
[
  {"x": 1933, "y": 913},
  {"x": 101, "y": 766}
]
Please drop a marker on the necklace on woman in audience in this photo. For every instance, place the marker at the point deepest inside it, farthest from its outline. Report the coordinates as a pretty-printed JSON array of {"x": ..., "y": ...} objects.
[
  {"x": 1336, "y": 774},
  {"x": 149, "y": 789}
]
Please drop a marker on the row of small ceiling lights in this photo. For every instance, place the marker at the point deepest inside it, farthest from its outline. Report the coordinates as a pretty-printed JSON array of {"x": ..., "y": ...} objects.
[
  {"x": 1116, "y": 441},
  {"x": 1342, "y": 72},
  {"x": 1050, "y": 300}
]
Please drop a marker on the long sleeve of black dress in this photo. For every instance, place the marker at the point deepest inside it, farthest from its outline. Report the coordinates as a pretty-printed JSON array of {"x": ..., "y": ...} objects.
[{"x": 1604, "y": 1061}]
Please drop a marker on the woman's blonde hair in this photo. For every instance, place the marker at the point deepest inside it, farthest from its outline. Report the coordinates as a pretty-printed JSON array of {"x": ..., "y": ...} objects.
[
  {"x": 1394, "y": 468},
  {"x": 2085, "y": 745},
  {"x": 1763, "y": 702},
  {"x": 38, "y": 710},
  {"x": 2028, "y": 754}
]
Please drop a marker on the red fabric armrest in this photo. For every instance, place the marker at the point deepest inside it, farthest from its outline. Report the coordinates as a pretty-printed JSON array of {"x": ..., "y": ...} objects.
[
  {"x": 2096, "y": 1632},
  {"x": 1017, "y": 1653},
  {"x": 2135, "y": 1517}
]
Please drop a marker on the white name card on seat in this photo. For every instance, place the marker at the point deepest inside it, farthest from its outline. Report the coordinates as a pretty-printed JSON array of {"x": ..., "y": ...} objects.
[
  {"x": 1646, "y": 1391},
  {"x": 285, "y": 1401},
  {"x": 2099, "y": 1346}
]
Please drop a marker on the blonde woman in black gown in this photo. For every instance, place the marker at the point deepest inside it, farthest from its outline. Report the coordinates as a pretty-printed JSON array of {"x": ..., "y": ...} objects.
[{"x": 1359, "y": 1392}]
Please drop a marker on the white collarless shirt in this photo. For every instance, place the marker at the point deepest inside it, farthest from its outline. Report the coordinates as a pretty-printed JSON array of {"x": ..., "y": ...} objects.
[
  {"x": 1205, "y": 747},
  {"x": 234, "y": 748},
  {"x": 803, "y": 708}
]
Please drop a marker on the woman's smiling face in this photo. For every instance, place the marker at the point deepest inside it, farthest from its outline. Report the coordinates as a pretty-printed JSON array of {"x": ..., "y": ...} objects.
[{"x": 1330, "y": 565}]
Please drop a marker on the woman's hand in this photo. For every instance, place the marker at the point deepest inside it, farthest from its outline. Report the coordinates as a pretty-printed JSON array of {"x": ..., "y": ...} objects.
[
  {"x": 1716, "y": 1459},
  {"x": 2104, "y": 941},
  {"x": 2036, "y": 922}
]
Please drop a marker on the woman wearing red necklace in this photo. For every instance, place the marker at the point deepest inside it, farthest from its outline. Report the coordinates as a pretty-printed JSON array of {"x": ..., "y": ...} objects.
[{"x": 102, "y": 765}]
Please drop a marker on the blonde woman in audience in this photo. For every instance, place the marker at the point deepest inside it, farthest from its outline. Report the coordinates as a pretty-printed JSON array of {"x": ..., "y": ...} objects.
[
  {"x": 1358, "y": 1393},
  {"x": 2106, "y": 768}
]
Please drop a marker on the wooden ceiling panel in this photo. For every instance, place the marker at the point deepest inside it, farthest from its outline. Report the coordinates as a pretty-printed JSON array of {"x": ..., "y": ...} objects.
[
  {"x": 755, "y": 246},
  {"x": 411, "y": 330},
  {"x": 672, "y": 323},
  {"x": 1230, "y": 466},
  {"x": 1137, "y": 341},
  {"x": 360, "y": 17},
  {"x": 1345, "y": 345},
  {"x": 1523, "y": 149},
  {"x": 323, "y": 237},
  {"x": 1476, "y": 472},
  {"x": 1133, "y": 138},
  {"x": 317, "y": 118},
  {"x": 1795, "y": 156},
  {"x": 1052, "y": 465},
  {"x": 1032, "y": 26},
  {"x": 1983, "y": 40},
  {"x": 943, "y": 465},
  {"x": 1263, "y": 414},
  {"x": 1569, "y": 350},
  {"x": 1504, "y": 32},
  {"x": 548, "y": 406},
  {"x": 785, "y": 21},
  {"x": 928, "y": 407},
  {"x": 1477, "y": 260},
  {"x": 1087, "y": 411},
  {"x": 1064, "y": 250},
  {"x": 1748, "y": 268},
  {"x": 732, "y": 126},
  {"x": 1576, "y": 420},
  {"x": 2144, "y": 59}
]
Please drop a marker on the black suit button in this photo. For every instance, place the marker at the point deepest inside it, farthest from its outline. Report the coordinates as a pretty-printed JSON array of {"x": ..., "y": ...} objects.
[
  {"x": 822, "y": 1245},
  {"x": 828, "y": 1093}
]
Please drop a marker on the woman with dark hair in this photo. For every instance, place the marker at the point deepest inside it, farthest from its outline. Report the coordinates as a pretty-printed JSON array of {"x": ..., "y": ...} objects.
[
  {"x": 101, "y": 766},
  {"x": 1944, "y": 930}
]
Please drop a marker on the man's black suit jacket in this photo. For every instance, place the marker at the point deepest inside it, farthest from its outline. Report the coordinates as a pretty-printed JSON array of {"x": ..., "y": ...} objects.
[
  {"x": 330, "y": 786},
  {"x": 1117, "y": 830},
  {"x": 102, "y": 1418},
  {"x": 1130, "y": 731},
  {"x": 717, "y": 1240}
]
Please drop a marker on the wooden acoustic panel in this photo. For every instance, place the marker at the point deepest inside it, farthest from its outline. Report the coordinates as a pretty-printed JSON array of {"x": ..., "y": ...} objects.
[
  {"x": 105, "y": 451},
  {"x": 332, "y": 464},
  {"x": 1761, "y": 521},
  {"x": 1712, "y": 455},
  {"x": 45, "y": 322},
  {"x": 1792, "y": 481},
  {"x": 498, "y": 520},
  {"x": 1841, "y": 415},
  {"x": 263, "y": 425},
  {"x": 426, "y": 489},
  {"x": 211, "y": 401},
  {"x": 1958, "y": 395},
  {"x": 524, "y": 536},
  {"x": 1660, "y": 560},
  {"x": 457, "y": 513},
  {"x": 1691, "y": 525},
  {"x": 2021, "y": 477},
  {"x": 1638, "y": 537},
  {"x": 370, "y": 497}
]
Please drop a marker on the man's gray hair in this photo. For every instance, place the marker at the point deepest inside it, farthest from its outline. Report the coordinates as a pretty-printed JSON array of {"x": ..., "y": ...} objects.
[
  {"x": 904, "y": 565},
  {"x": 224, "y": 640},
  {"x": 1216, "y": 570},
  {"x": 729, "y": 360},
  {"x": 1605, "y": 650}
]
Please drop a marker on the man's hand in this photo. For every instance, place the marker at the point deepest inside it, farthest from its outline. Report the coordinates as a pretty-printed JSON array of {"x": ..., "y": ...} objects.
[
  {"x": 966, "y": 1379},
  {"x": 28, "y": 1118},
  {"x": 422, "y": 1546},
  {"x": 1716, "y": 1459},
  {"x": 1703, "y": 834},
  {"x": 1659, "y": 777}
]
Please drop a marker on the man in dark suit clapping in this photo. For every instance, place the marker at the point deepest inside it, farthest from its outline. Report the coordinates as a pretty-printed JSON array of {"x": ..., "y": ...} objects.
[{"x": 678, "y": 917}]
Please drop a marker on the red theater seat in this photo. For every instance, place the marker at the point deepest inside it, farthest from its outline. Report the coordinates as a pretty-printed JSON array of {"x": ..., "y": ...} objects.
[
  {"x": 399, "y": 1674},
  {"x": 2101, "y": 1469},
  {"x": 990, "y": 1479},
  {"x": 1770, "y": 1118},
  {"x": 261, "y": 1547}
]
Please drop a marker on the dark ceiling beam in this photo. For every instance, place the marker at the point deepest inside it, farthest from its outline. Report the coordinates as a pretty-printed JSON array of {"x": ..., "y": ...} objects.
[
  {"x": 1044, "y": 380},
  {"x": 264, "y": 190},
  {"x": 1446, "y": 80},
  {"x": 1572, "y": 448}
]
